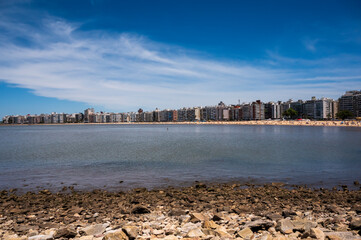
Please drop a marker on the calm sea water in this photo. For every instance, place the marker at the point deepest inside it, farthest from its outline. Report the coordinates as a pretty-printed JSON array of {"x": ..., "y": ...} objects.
[{"x": 95, "y": 156}]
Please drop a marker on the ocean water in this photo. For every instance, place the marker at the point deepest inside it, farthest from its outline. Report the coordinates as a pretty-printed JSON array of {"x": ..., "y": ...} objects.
[{"x": 101, "y": 156}]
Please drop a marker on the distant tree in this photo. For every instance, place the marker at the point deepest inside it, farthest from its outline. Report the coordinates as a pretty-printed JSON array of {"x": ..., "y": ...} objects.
[
  {"x": 344, "y": 114},
  {"x": 290, "y": 113}
]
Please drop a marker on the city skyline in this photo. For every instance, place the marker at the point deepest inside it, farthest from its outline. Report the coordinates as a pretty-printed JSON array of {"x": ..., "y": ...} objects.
[
  {"x": 119, "y": 56},
  {"x": 235, "y": 103},
  {"x": 347, "y": 106}
]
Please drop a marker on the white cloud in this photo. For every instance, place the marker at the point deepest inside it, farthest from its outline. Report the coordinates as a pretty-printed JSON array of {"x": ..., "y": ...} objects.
[
  {"x": 310, "y": 44},
  {"x": 124, "y": 71}
]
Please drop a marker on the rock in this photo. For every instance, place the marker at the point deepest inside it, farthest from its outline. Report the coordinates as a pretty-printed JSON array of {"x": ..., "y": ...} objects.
[
  {"x": 50, "y": 232},
  {"x": 198, "y": 217},
  {"x": 285, "y": 226},
  {"x": 200, "y": 185},
  {"x": 116, "y": 235},
  {"x": 222, "y": 233},
  {"x": 274, "y": 216},
  {"x": 277, "y": 184},
  {"x": 75, "y": 209},
  {"x": 22, "y": 228},
  {"x": 65, "y": 233},
  {"x": 196, "y": 232},
  {"x": 317, "y": 233},
  {"x": 41, "y": 237},
  {"x": 341, "y": 235},
  {"x": 45, "y": 192},
  {"x": 170, "y": 237},
  {"x": 333, "y": 237},
  {"x": 294, "y": 235},
  {"x": 245, "y": 233},
  {"x": 259, "y": 225},
  {"x": 209, "y": 232},
  {"x": 209, "y": 225},
  {"x": 85, "y": 238},
  {"x": 13, "y": 237},
  {"x": 158, "y": 232},
  {"x": 131, "y": 231},
  {"x": 177, "y": 212},
  {"x": 265, "y": 236},
  {"x": 140, "y": 210},
  {"x": 32, "y": 232},
  {"x": 241, "y": 209},
  {"x": 189, "y": 226},
  {"x": 333, "y": 208},
  {"x": 288, "y": 213},
  {"x": 303, "y": 225},
  {"x": 217, "y": 217},
  {"x": 140, "y": 190},
  {"x": 93, "y": 229},
  {"x": 356, "y": 208},
  {"x": 355, "y": 224},
  {"x": 272, "y": 230}
]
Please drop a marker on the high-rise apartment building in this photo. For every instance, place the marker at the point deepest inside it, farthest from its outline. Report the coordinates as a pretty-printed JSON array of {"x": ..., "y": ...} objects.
[{"x": 351, "y": 101}]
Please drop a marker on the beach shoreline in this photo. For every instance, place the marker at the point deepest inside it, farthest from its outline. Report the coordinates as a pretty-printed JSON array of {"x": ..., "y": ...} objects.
[
  {"x": 325, "y": 123},
  {"x": 201, "y": 211}
]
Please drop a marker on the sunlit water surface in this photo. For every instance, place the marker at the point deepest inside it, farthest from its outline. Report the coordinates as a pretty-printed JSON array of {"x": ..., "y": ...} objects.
[{"x": 152, "y": 156}]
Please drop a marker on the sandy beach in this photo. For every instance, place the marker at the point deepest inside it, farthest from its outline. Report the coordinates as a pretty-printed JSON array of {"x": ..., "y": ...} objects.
[
  {"x": 219, "y": 211},
  {"x": 259, "y": 122}
]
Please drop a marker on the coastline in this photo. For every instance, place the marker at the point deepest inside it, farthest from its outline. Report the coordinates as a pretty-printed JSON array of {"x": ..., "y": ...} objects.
[
  {"x": 218, "y": 211},
  {"x": 330, "y": 123}
]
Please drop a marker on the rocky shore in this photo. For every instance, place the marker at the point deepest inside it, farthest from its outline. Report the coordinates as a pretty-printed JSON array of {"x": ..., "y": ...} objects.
[{"x": 226, "y": 211}]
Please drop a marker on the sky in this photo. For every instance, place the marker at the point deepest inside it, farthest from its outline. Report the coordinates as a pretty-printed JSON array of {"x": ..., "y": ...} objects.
[{"x": 119, "y": 56}]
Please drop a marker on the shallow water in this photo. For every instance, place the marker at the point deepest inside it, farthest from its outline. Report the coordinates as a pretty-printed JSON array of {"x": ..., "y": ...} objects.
[{"x": 94, "y": 156}]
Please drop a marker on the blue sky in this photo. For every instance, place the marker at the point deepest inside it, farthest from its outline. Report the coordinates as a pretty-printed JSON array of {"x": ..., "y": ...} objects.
[{"x": 64, "y": 56}]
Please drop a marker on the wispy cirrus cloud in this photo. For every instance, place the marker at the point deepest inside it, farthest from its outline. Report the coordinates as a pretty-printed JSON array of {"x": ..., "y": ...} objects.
[
  {"x": 310, "y": 44},
  {"x": 54, "y": 58}
]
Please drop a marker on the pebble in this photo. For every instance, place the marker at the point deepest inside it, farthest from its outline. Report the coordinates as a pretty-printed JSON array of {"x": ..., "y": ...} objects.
[{"x": 205, "y": 213}]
